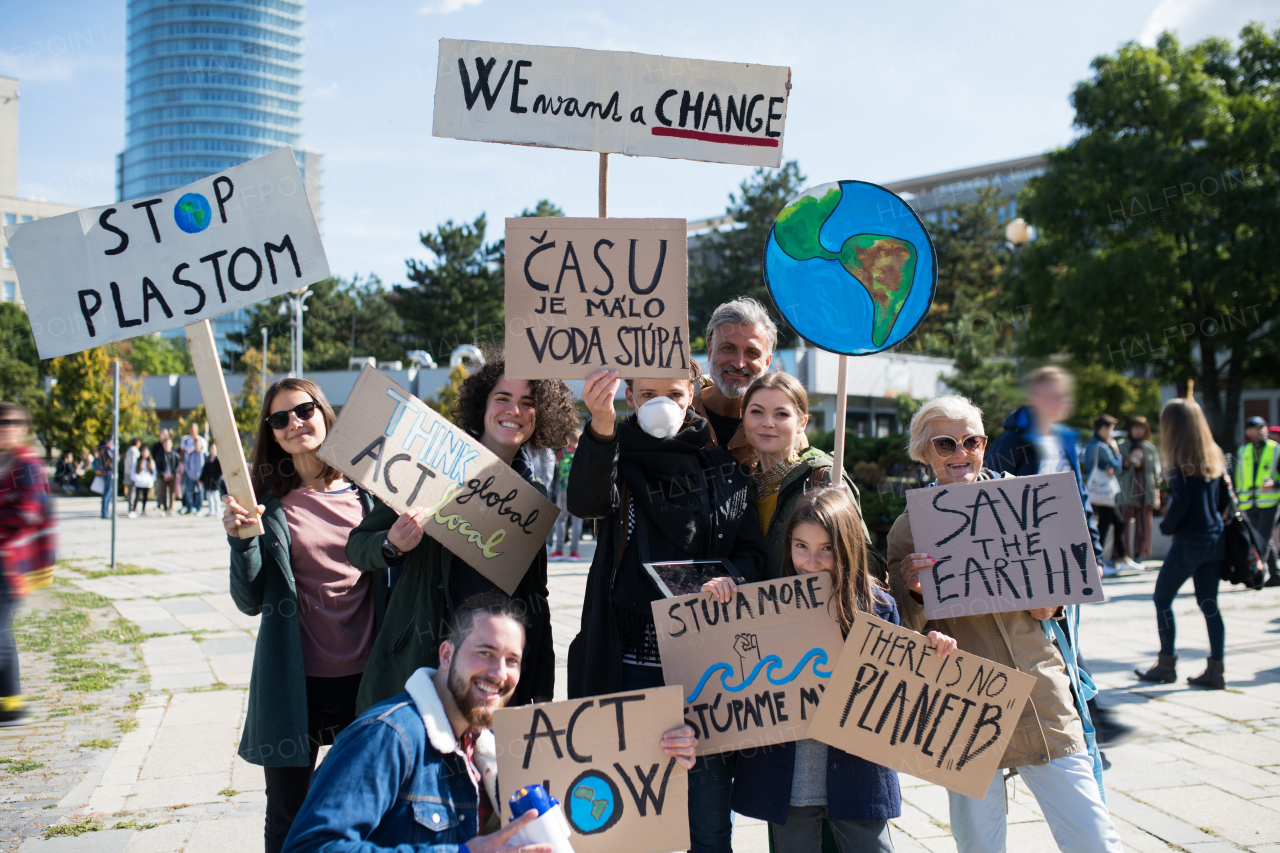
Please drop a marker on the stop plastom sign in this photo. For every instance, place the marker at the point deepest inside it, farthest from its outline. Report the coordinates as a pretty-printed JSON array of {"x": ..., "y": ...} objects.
[
  {"x": 611, "y": 101},
  {"x": 107, "y": 273}
]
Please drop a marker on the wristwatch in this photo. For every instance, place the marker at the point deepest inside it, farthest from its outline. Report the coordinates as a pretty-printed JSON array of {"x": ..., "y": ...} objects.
[{"x": 390, "y": 552}]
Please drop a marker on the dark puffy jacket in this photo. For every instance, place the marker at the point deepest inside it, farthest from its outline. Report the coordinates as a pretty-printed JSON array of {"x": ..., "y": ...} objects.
[{"x": 691, "y": 503}]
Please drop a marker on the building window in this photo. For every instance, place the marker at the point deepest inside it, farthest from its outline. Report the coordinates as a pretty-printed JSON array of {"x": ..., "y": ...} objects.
[
  {"x": 8, "y": 259},
  {"x": 11, "y": 219},
  {"x": 10, "y": 291},
  {"x": 26, "y": 219}
]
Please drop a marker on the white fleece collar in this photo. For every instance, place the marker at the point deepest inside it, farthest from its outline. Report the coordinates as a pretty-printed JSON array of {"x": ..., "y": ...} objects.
[{"x": 422, "y": 690}]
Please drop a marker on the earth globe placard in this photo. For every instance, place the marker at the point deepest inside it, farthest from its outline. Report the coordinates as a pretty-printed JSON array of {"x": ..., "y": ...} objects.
[
  {"x": 192, "y": 213},
  {"x": 593, "y": 803},
  {"x": 851, "y": 267}
]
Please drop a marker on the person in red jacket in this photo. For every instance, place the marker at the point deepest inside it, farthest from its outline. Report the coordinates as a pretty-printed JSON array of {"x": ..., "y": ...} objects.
[{"x": 24, "y": 498}]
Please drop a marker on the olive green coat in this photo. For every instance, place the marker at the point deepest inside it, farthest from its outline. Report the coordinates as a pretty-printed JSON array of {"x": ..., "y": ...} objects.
[{"x": 1150, "y": 472}]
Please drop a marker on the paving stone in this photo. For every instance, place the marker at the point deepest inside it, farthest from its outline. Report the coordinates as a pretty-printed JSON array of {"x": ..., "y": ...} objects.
[
  {"x": 1227, "y": 816},
  {"x": 168, "y": 838},
  {"x": 173, "y": 791},
  {"x": 105, "y": 841}
]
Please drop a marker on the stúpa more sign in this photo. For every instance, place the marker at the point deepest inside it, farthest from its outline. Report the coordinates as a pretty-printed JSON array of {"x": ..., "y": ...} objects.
[
  {"x": 391, "y": 444},
  {"x": 611, "y": 101},
  {"x": 894, "y": 702},
  {"x": 1014, "y": 543},
  {"x": 596, "y": 294},
  {"x": 603, "y": 759},
  {"x": 753, "y": 670},
  {"x": 107, "y": 273}
]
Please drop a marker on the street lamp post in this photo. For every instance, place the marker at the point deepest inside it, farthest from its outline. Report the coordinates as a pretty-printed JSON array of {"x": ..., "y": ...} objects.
[
  {"x": 295, "y": 304},
  {"x": 1017, "y": 232}
]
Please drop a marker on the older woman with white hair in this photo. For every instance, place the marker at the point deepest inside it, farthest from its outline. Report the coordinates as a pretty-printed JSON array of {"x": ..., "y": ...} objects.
[{"x": 1048, "y": 747}]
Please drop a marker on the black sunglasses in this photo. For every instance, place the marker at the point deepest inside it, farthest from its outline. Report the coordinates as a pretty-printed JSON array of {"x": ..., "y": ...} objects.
[
  {"x": 280, "y": 420},
  {"x": 946, "y": 445}
]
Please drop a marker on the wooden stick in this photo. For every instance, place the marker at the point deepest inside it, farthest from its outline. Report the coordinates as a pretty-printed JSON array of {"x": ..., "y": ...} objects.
[
  {"x": 222, "y": 421},
  {"x": 842, "y": 396},
  {"x": 604, "y": 184}
]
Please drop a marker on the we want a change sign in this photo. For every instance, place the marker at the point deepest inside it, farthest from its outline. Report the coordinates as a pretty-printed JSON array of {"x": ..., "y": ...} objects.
[
  {"x": 391, "y": 444},
  {"x": 127, "y": 269},
  {"x": 1015, "y": 543},
  {"x": 612, "y": 101},
  {"x": 596, "y": 294}
]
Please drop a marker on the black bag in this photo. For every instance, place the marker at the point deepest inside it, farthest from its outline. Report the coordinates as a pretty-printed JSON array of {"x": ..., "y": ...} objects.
[{"x": 1244, "y": 563}]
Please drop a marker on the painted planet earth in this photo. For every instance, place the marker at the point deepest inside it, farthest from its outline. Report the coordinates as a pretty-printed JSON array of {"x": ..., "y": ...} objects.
[
  {"x": 592, "y": 803},
  {"x": 851, "y": 267},
  {"x": 192, "y": 213}
]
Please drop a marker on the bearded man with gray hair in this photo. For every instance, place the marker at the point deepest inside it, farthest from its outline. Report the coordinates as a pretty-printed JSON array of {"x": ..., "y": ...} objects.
[{"x": 741, "y": 338}]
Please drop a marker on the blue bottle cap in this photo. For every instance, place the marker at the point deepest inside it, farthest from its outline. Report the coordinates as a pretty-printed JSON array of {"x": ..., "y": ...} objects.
[{"x": 532, "y": 797}]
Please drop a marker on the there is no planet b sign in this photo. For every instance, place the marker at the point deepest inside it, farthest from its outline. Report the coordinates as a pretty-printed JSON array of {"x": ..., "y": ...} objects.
[{"x": 851, "y": 267}]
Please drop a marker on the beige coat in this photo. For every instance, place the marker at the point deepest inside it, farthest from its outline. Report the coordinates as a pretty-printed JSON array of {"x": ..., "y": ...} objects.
[{"x": 1049, "y": 728}]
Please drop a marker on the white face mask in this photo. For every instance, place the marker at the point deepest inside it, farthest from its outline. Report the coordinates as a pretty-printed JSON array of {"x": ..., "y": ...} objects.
[{"x": 661, "y": 417}]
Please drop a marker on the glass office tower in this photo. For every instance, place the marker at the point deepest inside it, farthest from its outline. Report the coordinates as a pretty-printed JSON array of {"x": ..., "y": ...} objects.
[{"x": 211, "y": 84}]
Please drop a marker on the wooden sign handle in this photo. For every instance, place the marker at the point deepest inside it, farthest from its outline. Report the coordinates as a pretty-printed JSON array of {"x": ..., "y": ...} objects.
[
  {"x": 842, "y": 397},
  {"x": 222, "y": 421}
]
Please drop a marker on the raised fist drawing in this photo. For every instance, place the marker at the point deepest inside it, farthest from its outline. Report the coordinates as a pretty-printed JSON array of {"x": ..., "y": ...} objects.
[{"x": 748, "y": 649}]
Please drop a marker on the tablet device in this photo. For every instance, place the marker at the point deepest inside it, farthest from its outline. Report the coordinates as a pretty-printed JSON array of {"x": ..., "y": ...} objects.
[{"x": 686, "y": 577}]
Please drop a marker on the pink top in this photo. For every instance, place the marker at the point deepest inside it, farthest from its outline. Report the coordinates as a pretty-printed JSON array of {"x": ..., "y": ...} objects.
[{"x": 334, "y": 605}]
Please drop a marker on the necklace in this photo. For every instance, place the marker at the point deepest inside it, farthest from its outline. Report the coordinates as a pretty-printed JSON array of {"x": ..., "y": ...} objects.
[{"x": 768, "y": 482}]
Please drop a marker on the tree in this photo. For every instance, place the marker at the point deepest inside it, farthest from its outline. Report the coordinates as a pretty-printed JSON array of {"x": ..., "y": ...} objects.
[
  {"x": 155, "y": 355},
  {"x": 344, "y": 319},
  {"x": 543, "y": 208},
  {"x": 459, "y": 298},
  {"x": 19, "y": 361},
  {"x": 447, "y": 394},
  {"x": 735, "y": 254},
  {"x": 1159, "y": 225},
  {"x": 76, "y": 413},
  {"x": 248, "y": 403}
]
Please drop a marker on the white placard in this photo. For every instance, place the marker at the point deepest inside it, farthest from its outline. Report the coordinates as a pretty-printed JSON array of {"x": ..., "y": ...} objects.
[
  {"x": 612, "y": 101},
  {"x": 107, "y": 273}
]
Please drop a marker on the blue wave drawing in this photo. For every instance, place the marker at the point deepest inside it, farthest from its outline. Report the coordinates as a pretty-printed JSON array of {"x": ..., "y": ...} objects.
[{"x": 769, "y": 664}]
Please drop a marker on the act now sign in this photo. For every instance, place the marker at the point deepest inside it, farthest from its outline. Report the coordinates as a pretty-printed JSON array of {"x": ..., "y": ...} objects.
[
  {"x": 104, "y": 274},
  {"x": 610, "y": 101}
]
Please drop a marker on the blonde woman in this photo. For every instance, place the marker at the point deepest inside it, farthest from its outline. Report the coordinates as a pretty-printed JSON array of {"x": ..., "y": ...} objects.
[
  {"x": 1198, "y": 499},
  {"x": 1048, "y": 746}
]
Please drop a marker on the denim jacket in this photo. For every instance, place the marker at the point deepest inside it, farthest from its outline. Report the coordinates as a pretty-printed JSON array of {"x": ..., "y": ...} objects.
[{"x": 396, "y": 779}]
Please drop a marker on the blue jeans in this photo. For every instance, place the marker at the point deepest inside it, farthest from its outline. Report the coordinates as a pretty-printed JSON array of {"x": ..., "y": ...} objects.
[
  {"x": 108, "y": 494},
  {"x": 710, "y": 780},
  {"x": 192, "y": 493},
  {"x": 1198, "y": 556}
]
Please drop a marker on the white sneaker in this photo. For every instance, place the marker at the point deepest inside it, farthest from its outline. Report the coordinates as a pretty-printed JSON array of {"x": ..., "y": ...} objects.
[
  {"x": 133, "y": 515},
  {"x": 1109, "y": 571},
  {"x": 1132, "y": 565}
]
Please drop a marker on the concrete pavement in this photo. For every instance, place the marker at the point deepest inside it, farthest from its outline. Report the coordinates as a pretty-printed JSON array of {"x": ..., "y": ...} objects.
[{"x": 1203, "y": 776}]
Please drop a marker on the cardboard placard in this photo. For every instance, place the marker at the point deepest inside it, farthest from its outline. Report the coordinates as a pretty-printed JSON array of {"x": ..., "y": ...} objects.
[
  {"x": 107, "y": 273},
  {"x": 896, "y": 703},
  {"x": 390, "y": 443},
  {"x": 602, "y": 758},
  {"x": 1015, "y": 543},
  {"x": 752, "y": 670},
  {"x": 590, "y": 294},
  {"x": 611, "y": 101}
]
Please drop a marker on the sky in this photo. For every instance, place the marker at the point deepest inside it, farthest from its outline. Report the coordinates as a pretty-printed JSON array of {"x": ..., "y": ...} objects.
[{"x": 881, "y": 92}]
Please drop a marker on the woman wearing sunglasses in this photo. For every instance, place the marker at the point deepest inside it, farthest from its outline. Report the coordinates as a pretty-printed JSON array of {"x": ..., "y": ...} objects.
[
  {"x": 1048, "y": 747},
  {"x": 319, "y": 613}
]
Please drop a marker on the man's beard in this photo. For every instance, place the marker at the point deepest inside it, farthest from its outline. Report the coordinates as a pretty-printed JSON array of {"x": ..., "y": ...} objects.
[
  {"x": 477, "y": 715},
  {"x": 731, "y": 391}
]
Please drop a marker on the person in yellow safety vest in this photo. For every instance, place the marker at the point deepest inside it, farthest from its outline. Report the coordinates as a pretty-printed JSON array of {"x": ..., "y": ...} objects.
[{"x": 1257, "y": 487}]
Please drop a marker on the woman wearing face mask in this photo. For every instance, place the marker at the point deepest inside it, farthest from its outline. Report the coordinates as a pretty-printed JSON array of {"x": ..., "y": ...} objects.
[{"x": 659, "y": 494}]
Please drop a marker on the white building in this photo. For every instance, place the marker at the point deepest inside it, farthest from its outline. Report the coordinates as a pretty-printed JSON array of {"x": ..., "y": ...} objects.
[{"x": 13, "y": 209}]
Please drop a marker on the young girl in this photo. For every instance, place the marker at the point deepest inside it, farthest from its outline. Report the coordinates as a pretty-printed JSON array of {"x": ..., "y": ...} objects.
[
  {"x": 144, "y": 477},
  {"x": 795, "y": 786}
]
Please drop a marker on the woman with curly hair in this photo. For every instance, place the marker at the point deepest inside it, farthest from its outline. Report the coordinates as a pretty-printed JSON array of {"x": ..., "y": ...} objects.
[{"x": 507, "y": 416}]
